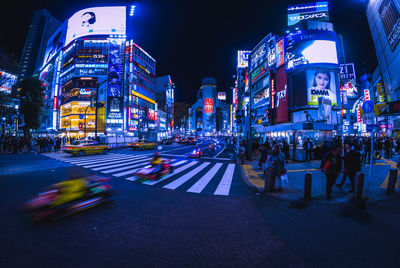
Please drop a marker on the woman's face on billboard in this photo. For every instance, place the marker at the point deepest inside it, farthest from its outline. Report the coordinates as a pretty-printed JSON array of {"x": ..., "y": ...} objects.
[{"x": 322, "y": 80}]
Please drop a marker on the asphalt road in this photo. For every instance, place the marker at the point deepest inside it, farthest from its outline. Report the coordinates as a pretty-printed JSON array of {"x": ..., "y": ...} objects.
[{"x": 150, "y": 225}]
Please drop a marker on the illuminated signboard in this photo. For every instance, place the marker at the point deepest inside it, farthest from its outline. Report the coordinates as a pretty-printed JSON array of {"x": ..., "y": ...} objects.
[
  {"x": 243, "y": 58},
  {"x": 208, "y": 106},
  {"x": 222, "y": 95},
  {"x": 321, "y": 83},
  {"x": 97, "y": 21},
  {"x": 259, "y": 72},
  {"x": 7, "y": 80},
  {"x": 262, "y": 98},
  {"x": 259, "y": 53},
  {"x": 390, "y": 17},
  {"x": 280, "y": 53},
  {"x": 55, "y": 43},
  {"x": 312, "y": 11},
  {"x": 273, "y": 93},
  {"x": 348, "y": 82},
  {"x": 310, "y": 47},
  {"x": 152, "y": 114},
  {"x": 271, "y": 52}
]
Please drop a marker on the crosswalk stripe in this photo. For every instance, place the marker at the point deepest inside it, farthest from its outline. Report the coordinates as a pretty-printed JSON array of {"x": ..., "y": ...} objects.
[
  {"x": 138, "y": 164},
  {"x": 181, "y": 180},
  {"x": 113, "y": 162},
  {"x": 67, "y": 157},
  {"x": 179, "y": 163},
  {"x": 202, "y": 183},
  {"x": 133, "y": 178},
  {"x": 96, "y": 160},
  {"x": 125, "y": 163},
  {"x": 176, "y": 171},
  {"x": 121, "y": 157},
  {"x": 226, "y": 181}
]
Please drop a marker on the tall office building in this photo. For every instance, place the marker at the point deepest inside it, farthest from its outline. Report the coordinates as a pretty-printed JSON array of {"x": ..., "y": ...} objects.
[
  {"x": 165, "y": 97},
  {"x": 42, "y": 27}
]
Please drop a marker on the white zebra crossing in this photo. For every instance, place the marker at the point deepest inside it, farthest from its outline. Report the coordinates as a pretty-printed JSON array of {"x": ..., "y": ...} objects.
[
  {"x": 203, "y": 181},
  {"x": 226, "y": 181},
  {"x": 178, "y": 182},
  {"x": 185, "y": 171},
  {"x": 176, "y": 171}
]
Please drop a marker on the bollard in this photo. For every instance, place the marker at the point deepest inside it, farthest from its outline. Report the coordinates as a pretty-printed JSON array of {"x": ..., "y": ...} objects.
[
  {"x": 392, "y": 181},
  {"x": 359, "y": 186},
  {"x": 269, "y": 180},
  {"x": 307, "y": 186}
]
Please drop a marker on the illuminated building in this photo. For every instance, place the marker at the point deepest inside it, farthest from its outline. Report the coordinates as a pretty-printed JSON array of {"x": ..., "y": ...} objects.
[
  {"x": 165, "y": 95},
  {"x": 42, "y": 27},
  {"x": 89, "y": 60},
  {"x": 384, "y": 22},
  {"x": 240, "y": 93},
  {"x": 209, "y": 114},
  {"x": 10, "y": 106}
]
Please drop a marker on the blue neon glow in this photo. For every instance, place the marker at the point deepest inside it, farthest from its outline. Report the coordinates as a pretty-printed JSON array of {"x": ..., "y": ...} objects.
[{"x": 132, "y": 12}]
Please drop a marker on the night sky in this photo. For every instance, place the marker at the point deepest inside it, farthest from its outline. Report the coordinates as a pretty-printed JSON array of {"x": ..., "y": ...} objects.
[{"x": 193, "y": 39}]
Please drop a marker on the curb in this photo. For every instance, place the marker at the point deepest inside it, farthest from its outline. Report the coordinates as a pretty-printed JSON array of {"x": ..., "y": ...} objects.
[{"x": 347, "y": 199}]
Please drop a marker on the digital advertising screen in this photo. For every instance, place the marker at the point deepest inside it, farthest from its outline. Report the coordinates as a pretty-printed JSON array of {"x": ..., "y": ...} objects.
[
  {"x": 310, "y": 47},
  {"x": 261, "y": 98},
  {"x": 96, "y": 21},
  {"x": 243, "y": 58},
  {"x": 271, "y": 52},
  {"x": 222, "y": 95},
  {"x": 7, "y": 80},
  {"x": 312, "y": 11},
  {"x": 281, "y": 96},
  {"x": 348, "y": 81},
  {"x": 55, "y": 43},
  {"x": 321, "y": 83}
]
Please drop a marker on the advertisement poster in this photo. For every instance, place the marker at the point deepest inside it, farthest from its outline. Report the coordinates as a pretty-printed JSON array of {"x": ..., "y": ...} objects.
[
  {"x": 348, "y": 82},
  {"x": 259, "y": 54},
  {"x": 271, "y": 55},
  {"x": 55, "y": 43},
  {"x": 243, "y": 58},
  {"x": 115, "y": 71},
  {"x": 310, "y": 47},
  {"x": 97, "y": 21},
  {"x": 321, "y": 83},
  {"x": 390, "y": 18},
  {"x": 208, "y": 105},
  {"x": 312, "y": 11},
  {"x": 281, "y": 96},
  {"x": 262, "y": 98},
  {"x": 222, "y": 95},
  {"x": 325, "y": 110},
  {"x": 114, "y": 108}
]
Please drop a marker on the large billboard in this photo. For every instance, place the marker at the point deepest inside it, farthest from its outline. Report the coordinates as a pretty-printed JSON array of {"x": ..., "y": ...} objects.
[
  {"x": 310, "y": 47},
  {"x": 312, "y": 11},
  {"x": 55, "y": 43},
  {"x": 243, "y": 58},
  {"x": 265, "y": 50},
  {"x": 348, "y": 83},
  {"x": 97, "y": 21},
  {"x": 321, "y": 83},
  {"x": 7, "y": 81},
  {"x": 390, "y": 18}
]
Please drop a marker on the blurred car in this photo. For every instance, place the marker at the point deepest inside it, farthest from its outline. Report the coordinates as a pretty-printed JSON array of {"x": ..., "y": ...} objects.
[
  {"x": 191, "y": 141},
  {"x": 84, "y": 147},
  {"x": 167, "y": 141},
  {"x": 196, "y": 153},
  {"x": 142, "y": 145}
]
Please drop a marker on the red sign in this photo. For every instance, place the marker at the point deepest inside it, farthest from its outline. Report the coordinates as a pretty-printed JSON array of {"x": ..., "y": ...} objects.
[
  {"x": 281, "y": 96},
  {"x": 359, "y": 114},
  {"x": 272, "y": 93},
  {"x": 152, "y": 114},
  {"x": 208, "y": 106},
  {"x": 55, "y": 103},
  {"x": 366, "y": 94}
]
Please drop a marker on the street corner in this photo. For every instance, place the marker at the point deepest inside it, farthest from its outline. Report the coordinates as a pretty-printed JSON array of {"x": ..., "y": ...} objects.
[{"x": 252, "y": 177}]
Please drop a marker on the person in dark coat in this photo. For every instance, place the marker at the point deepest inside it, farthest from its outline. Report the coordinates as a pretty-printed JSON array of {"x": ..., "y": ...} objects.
[
  {"x": 263, "y": 157},
  {"x": 331, "y": 165},
  {"x": 308, "y": 147},
  {"x": 351, "y": 165}
]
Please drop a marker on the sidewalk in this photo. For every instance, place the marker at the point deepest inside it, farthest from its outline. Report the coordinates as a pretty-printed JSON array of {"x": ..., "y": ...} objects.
[{"x": 374, "y": 187}]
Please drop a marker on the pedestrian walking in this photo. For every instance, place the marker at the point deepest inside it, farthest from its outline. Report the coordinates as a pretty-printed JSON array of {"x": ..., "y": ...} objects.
[
  {"x": 351, "y": 165},
  {"x": 331, "y": 165},
  {"x": 308, "y": 147},
  {"x": 263, "y": 157},
  {"x": 277, "y": 161}
]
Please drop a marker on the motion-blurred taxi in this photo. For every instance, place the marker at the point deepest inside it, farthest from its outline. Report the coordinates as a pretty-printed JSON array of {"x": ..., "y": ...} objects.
[
  {"x": 85, "y": 147},
  {"x": 142, "y": 145}
]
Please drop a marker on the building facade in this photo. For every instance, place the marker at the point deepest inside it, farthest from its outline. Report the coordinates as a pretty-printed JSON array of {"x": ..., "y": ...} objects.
[
  {"x": 42, "y": 27},
  {"x": 98, "y": 81},
  {"x": 165, "y": 98},
  {"x": 209, "y": 115}
]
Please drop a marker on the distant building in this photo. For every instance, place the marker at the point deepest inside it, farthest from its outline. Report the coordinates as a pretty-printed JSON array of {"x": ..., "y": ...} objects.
[
  {"x": 42, "y": 27},
  {"x": 165, "y": 96},
  {"x": 209, "y": 114}
]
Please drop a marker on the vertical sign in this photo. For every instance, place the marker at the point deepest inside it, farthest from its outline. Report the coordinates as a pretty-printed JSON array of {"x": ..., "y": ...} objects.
[
  {"x": 281, "y": 96},
  {"x": 272, "y": 93},
  {"x": 209, "y": 105},
  {"x": 280, "y": 52}
]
